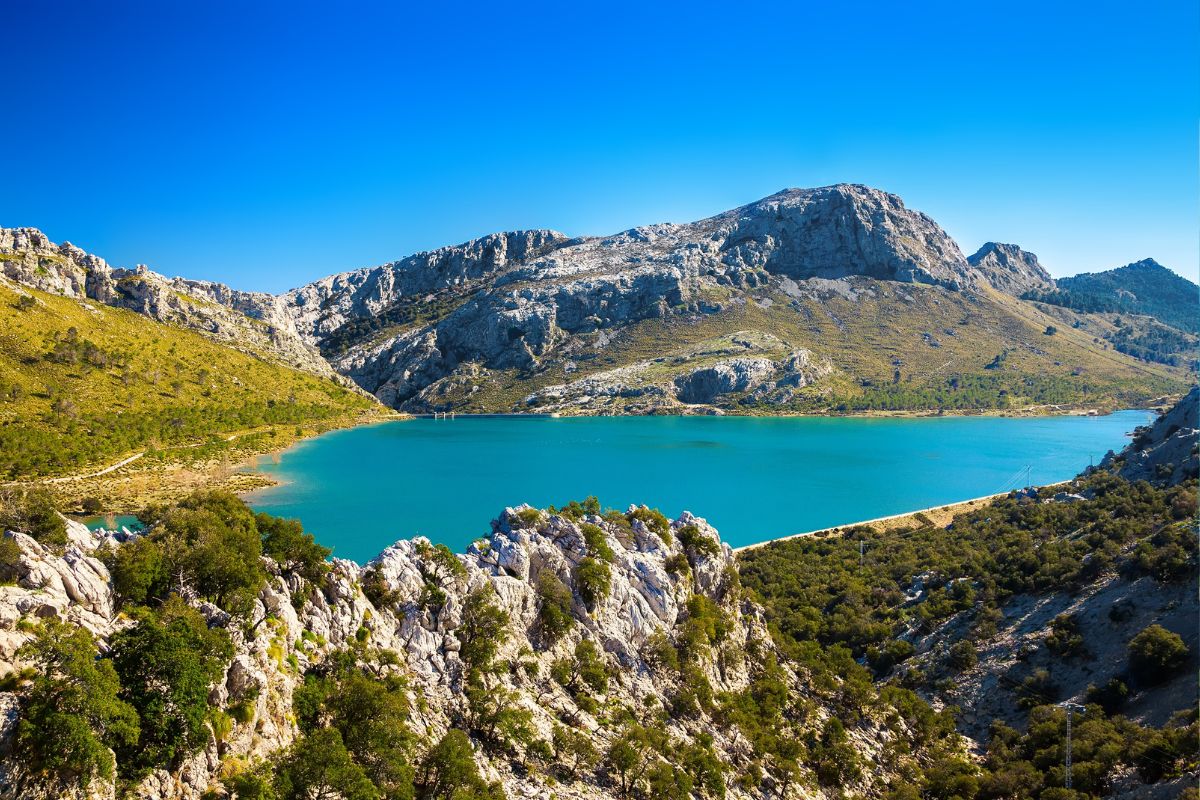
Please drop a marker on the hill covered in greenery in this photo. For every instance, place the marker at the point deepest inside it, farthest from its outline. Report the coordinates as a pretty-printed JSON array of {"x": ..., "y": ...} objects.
[
  {"x": 84, "y": 384},
  {"x": 1144, "y": 287},
  {"x": 1082, "y": 595}
]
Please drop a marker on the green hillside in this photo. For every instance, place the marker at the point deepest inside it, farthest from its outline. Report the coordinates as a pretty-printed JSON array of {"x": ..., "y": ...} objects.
[
  {"x": 1145, "y": 287},
  {"x": 83, "y": 385}
]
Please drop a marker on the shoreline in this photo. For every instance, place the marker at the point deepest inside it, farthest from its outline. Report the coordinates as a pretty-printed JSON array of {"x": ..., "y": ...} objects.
[
  {"x": 892, "y": 520},
  {"x": 135, "y": 481}
]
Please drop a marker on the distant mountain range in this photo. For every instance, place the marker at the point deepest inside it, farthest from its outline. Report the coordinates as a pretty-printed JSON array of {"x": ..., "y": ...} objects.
[{"x": 836, "y": 298}]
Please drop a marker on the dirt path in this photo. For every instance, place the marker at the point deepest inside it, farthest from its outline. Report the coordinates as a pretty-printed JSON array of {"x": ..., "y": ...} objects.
[
  {"x": 98, "y": 473},
  {"x": 111, "y": 468}
]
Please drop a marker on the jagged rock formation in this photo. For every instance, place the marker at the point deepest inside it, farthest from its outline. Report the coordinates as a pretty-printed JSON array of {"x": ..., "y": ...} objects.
[
  {"x": 554, "y": 320},
  {"x": 388, "y": 605},
  {"x": 1010, "y": 269},
  {"x": 1165, "y": 453},
  {"x": 252, "y": 321}
]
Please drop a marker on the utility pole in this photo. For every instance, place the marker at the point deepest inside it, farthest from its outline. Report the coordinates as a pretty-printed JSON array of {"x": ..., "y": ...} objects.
[
  {"x": 1067, "y": 761},
  {"x": 862, "y": 547},
  {"x": 1070, "y": 707}
]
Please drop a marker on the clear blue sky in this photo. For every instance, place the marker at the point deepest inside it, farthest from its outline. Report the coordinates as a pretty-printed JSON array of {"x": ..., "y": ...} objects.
[{"x": 268, "y": 146}]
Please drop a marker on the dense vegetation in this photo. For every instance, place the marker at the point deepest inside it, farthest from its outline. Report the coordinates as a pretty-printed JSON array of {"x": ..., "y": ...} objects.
[
  {"x": 1142, "y": 288},
  {"x": 1152, "y": 341},
  {"x": 83, "y": 385},
  {"x": 868, "y": 596}
]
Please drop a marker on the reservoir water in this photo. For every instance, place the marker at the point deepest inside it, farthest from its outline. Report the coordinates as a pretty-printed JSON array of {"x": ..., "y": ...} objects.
[{"x": 754, "y": 478}]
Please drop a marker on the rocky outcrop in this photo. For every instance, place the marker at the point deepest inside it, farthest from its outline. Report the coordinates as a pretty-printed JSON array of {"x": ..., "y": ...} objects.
[
  {"x": 388, "y": 605},
  {"x": 251, "y": 321},
  {"x": 736, "y": 375},
  {"x": 1165, "y": 453},
  {"x": 1010, "y": 269},
  {"x": 718, "y": 374},
  {"x": 72, "y": 585}
]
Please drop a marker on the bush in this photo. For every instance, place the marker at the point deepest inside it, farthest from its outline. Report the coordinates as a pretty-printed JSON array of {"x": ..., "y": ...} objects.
[
  {"x": 166, "y": 663},
  {"x": 318, "y": 765},
  {"x": 962, "y": 656},
  {"x": 1111, "y": 696},
  {"x": 209, "y": 542},
  {"x": 694, "y": 541},
  {"x": 528, "y": 518},
  {"x": 33, "y": 511},
  {"x": 554, "y": 611},
  {"x": 596, "y": 541},
  {"x": 593, "y": 578},
  {"x": 654, "y": 520},
  {"x": 449, "y": 772},
  {"x": 72, "y": 714},
  {"x": 1156, "y": 654},
  {"x": 285, "y": 541}
]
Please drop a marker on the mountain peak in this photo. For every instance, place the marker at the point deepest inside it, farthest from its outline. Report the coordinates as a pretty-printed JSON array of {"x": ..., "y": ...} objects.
[
  {"x": 1146, "y": 264},
  {"x": 1010, "y": 268}
]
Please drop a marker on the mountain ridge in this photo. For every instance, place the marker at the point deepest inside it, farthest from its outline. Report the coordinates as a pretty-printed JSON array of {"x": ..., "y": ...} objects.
[{"x": 496, "y": 322}]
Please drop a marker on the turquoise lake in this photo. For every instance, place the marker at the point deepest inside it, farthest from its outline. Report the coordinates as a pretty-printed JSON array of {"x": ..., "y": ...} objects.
[{"x": 755, "y": 479}]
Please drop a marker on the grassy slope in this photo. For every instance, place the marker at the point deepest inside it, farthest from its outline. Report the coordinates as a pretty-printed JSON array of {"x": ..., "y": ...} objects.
[
  {"x": 161, "y": 386},
  {"x": 864, "y": 337}
]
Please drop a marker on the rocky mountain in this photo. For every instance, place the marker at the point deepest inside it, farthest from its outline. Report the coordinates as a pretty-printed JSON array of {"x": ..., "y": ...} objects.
[
  {"x": 836, "y": 298},
  {"x": 534, "y": 320},
  {"x": 1010, "y": 269},
  {"x": 1165, "y": 452},
  {"x": 252, "y": 321}
]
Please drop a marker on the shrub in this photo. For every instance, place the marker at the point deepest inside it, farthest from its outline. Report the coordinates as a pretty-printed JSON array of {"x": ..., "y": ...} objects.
[
  {"x": 677, "y": 564},
  {"x": 1038, "y": 689},
  {"x": 72, "y": 714},
  {"x": 377, "y": 589},
  {"x": 209, "y": 542},
  {"x": 1156, "y": 654},
  {"x": 138, "y": 569},
  {"x": 1111, "y": 696},
  {"x": 596, "y": 541},
  {"x": 694, "y": 541},
  {"x": 654, "y": 520},
  {"x": 285, "y": 541},
  {"x": 33, "y": 511},
  {"x": 449, "y": 772},
  {"x": 660, "y": 652},
  {"x": 528, "y": 517},
  {"x": 1065, "y": 638},
  {"x": 166, "y": 663},
  {"x": 554, "y": 611},
  {"x": 594, "y": 579},
  {"x": 575, "y": 510},
  {"x": 318, "y": 765},
  {"x": 962, "y": 656}
]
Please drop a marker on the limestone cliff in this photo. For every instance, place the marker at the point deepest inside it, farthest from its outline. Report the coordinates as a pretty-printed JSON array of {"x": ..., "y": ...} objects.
[{"x": 409, "y": 602}]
